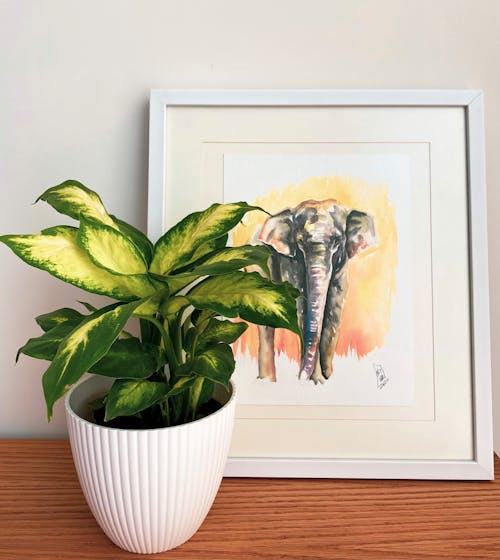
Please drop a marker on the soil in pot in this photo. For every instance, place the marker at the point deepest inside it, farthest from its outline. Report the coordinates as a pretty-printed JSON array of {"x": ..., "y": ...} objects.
[{"x": 148, "y": 419}]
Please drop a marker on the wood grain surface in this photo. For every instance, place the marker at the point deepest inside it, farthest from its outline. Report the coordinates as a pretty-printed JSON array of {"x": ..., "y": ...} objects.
[{"x": 43, "y": 515}]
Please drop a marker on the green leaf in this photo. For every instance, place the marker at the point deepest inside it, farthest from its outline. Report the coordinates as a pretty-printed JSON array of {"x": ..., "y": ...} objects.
[
  {"x": 201, "y": 317},
  {"x": 56, "y": 251},
  {"x": 74, "y": 199},
  {"x": 212, "y": 332},
  {"x": 183, "y": 384},
  {"x": 98, "y": 403},
  {"x": 126, "y": 334},
  {"x": 179, "y": 244},
  {"x": 215, "y": 363},
  {"x": 128, "y": 359},
  {"x": 195, "y": 392},
  {"x": 110, "y": 249},
  {"x": 88, "y": 306},
  {"x": 230, "y": 259},
  {"x": 206, "y": 392},
  {"x": 188, "y": 340},
  {"x": 82, "y": 348},
  {"x": 45, "y": 347},
  {"x": 152, "y": 304},
  {"x": 250, "y": 296},
  {"x": 222, "y": 331},
  {"x": 127, "y": 397},
  {"x": 50, "y": 320},
  {"x": 137, "y": 237}
]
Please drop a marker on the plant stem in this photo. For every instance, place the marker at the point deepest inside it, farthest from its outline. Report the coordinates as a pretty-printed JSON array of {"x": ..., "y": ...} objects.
[
  {"x": 167, "y": 341},
  {"x": 165, "y": 409},
  {"x": 177, "y": 337},
  {"x": 194, "y": 396}
]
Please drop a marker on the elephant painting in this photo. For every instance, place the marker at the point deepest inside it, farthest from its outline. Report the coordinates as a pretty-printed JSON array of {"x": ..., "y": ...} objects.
[{"x": 312, "y": 244}]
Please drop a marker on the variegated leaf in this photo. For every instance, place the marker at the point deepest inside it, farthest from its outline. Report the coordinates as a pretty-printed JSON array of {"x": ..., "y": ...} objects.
[
  {"x": 215, "y": 363},
  {"x": 204, "y": 390},
  {"x": 178, "y": 245},
  {"x": 110, "y": 249},
  {"x": 74, "y": 199},
  {"x": 137, "y": 237},
  {"x": 82, "y": 348},
  {"x": 181, "y": 385},
  {"x": 196, "y": 339},
  {"x": 44, "y": 347},
  {"x": 50, "y": 320},
  {"x": 222, "y": 331},
  {"x": 201, "y": 253},
  {"x": 201, "y": 317},
  {"x": 195, "y": 392},
  {"x": 128, "y": 397},
  {"x": 56, "y": 251},
  {"x": 228, "y": 260},
  {"x": 127, "y": 358},
  {"x": 250, "y": 296},
  {"x": 153, "y": 304},
  {"x": 173, "y": 305}
]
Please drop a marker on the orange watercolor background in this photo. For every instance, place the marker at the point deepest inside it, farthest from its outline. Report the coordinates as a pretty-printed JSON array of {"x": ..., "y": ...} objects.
[{"x": 365, "y": 321}]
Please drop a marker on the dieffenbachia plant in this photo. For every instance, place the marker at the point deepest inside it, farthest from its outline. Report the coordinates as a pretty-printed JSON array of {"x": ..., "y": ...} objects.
[{"x": 181, "y": 289}]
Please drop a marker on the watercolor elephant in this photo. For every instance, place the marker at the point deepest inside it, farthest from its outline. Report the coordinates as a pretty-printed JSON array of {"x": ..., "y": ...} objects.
[{"x": 312, "y": 244}]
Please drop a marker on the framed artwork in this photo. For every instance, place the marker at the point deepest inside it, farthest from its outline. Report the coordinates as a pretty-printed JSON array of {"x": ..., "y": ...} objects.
[{"x": 376, "y": 211}]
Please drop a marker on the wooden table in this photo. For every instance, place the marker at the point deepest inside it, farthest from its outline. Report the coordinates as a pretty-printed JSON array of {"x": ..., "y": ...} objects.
[{"x": 43, "y": 515}]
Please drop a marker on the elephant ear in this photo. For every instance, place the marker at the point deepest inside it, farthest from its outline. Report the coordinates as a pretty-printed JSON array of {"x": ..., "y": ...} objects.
[
  {"x": 277, "y": 232},
  {"x": 360, "y": 232}
]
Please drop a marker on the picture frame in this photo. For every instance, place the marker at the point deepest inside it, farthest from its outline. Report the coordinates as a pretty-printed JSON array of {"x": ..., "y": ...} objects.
[{"x": 192, "y": 131}]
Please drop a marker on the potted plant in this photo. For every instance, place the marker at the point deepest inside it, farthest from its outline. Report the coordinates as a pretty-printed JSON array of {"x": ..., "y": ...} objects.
[{"x": 150, "y": 432}]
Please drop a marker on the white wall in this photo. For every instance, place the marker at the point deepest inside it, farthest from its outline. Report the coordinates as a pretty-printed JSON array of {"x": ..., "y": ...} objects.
[{"x": 75, "y": 80}]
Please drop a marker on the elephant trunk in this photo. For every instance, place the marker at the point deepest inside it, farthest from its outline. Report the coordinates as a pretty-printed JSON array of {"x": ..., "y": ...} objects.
[{"x": 318, "y": 273}]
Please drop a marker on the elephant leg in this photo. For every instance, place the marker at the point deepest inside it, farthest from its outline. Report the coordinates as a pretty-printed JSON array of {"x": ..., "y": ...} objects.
[
  {"x": 267, "y": 368},
  {"x": 331, "y": 322},
  {"x": 317, "y": 375}
]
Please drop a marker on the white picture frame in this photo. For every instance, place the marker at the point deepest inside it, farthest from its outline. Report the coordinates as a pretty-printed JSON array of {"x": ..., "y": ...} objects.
[{"x": 480, "y": 463}]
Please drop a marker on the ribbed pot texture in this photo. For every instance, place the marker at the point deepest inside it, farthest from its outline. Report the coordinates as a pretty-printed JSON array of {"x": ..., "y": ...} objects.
[{"x": 149, "y": 490}]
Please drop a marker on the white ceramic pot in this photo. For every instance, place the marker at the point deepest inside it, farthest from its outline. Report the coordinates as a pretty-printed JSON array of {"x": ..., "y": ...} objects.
[{"x": 149, "y": 490}]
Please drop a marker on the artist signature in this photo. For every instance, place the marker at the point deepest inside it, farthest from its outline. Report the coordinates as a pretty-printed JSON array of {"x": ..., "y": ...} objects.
[{"x": 382, "y": 378}]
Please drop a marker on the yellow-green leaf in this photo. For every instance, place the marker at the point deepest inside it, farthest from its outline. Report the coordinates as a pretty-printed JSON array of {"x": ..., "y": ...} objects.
[
  {"x": 228, "y": 260},
  {"x": 222, "y": 331},
  {"x": 56, "y": 251},
  {"x": 128, "y": 397},
  {"x": 215, "y": 363},
  {"x": 173, "y": 305},
  {"x": 152, "y": 304},
  {"x": 201, "y": 253},
  {"x": 82, "y": 348},
  {"x": 178, "y": 245},
  {"x": 137, "y": 237},
  {"x": 74, "y": 199},
  {"x": 250, "y": 296},
  {"x": 110, "y": 249}
]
